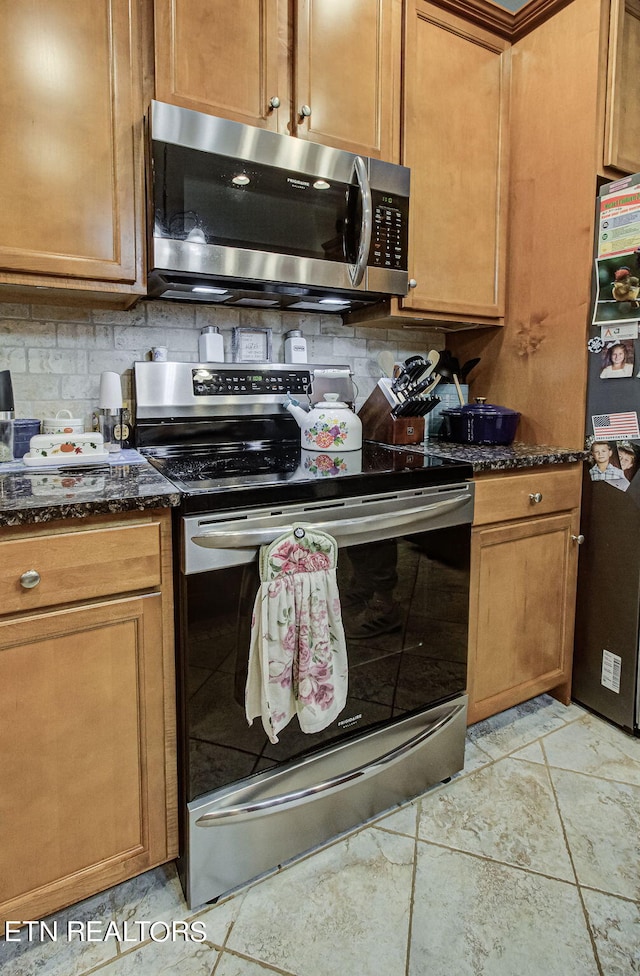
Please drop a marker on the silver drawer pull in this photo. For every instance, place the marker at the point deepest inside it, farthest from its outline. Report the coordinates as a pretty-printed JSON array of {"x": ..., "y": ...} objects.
[
  {"x": 30, "y": 579},
  {"x": 271, "y": 804},
  {"x": 578, "y": 538},
  {"x": 535, "y": 498}
]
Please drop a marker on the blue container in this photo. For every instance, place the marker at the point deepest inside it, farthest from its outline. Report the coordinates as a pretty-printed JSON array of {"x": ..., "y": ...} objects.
[
  {"x": 482, "y": 423},
  {"x": 23, "y": 431}
]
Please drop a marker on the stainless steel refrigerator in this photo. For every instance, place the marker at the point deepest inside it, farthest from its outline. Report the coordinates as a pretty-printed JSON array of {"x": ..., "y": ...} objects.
[{"x": 606, "y": 668}]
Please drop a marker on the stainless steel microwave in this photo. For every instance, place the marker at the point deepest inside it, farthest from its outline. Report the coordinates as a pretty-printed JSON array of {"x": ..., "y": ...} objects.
[{"x": 243, "y": 216}]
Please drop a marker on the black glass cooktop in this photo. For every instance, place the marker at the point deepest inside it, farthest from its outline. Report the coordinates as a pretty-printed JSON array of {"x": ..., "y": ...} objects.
[{"x": 261, "y": 473}]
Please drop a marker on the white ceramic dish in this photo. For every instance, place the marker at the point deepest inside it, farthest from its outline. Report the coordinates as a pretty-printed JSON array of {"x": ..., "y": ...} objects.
[
  {"x": 64, "y": 446},
  {"x": 58, "y": 484},
  {"x": 64, "y": 460}
]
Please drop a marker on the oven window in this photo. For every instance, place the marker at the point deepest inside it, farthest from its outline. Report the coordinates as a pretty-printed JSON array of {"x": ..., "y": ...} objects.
[
  {"x": 212, "y": 199},
  {"x": 405, "y": 613}
]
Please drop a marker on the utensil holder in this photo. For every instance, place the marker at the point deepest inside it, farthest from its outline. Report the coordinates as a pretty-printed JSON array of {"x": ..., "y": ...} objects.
[{"x": 379, "y": 425}]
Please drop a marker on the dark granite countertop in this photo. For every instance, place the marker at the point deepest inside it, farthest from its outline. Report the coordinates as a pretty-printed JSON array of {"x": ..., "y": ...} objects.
[
  {"x": 488, "y": 458},
  {"x": 126, "y": 482}
]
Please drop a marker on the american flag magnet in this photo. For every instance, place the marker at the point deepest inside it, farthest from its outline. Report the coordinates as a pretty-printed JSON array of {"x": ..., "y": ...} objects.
[{"x": 616, "y": 426}]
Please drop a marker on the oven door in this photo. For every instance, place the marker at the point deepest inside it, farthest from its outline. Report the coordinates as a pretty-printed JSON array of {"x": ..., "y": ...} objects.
[{"x": 403, "y": 577}]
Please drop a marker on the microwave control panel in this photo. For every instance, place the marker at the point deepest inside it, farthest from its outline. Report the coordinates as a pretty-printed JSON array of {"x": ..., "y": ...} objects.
[{"x": 389, "y": 238}]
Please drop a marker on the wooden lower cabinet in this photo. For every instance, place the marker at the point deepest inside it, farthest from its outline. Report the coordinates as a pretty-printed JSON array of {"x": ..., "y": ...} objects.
[
  {"x": 523, "y": 587},
  {"x": 87, "y": 746}
]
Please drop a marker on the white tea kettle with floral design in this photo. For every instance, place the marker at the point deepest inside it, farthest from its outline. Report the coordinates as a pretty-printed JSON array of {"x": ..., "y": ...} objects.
[{"x": 328, "y": 426}]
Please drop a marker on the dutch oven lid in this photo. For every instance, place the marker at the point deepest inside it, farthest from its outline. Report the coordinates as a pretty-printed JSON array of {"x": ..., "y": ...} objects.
[{"x": 481, "y": 409}]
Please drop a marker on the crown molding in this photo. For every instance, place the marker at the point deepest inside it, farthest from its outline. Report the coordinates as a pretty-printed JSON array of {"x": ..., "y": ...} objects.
[
  {"x": 505, "y": 23},
  {"x": 533, "y": 14}
]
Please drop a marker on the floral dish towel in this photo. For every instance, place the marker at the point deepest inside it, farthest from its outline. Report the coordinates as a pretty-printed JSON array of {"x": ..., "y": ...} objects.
[{"x": 298, "y": 652}]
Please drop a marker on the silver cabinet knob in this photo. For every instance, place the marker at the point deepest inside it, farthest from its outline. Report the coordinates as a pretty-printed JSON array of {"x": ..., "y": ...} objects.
[
  {"x": 305, "y": 111},
  {"x": 30, "y": 579},
  {"x": 412, "y": 283},
  {"x": 274, "y": 102},
  {"x": 535, "y": 498},
  {"x": 578, "y": 538}
]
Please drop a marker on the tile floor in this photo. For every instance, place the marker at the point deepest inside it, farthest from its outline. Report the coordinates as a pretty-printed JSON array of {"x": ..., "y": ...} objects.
[{"x": 526, "y": 864}]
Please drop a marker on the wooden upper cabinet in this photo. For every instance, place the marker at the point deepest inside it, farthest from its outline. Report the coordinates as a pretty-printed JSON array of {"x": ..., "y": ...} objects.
[
  {"x": 339, "y": 59},
  {"x": 347, "y": 72},
  {"x": 71, "y": 197},
  {"x": 221, "y": 58},
  {"x": 622, "y": 113},
  {"x": 455, "y": 121}
]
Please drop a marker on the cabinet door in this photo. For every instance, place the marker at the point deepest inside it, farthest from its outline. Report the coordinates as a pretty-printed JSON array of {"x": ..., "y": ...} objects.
[
  {"x": 622, "y": 118},
  {"x": 347, "y": 72},
  {"x": 523, "y": 585},
  {"x": 456, "y": 99},
  {"x": 82, "y": 752},
  {"x": 219, "y": 57},
  {"x": 69, "y": 140}
]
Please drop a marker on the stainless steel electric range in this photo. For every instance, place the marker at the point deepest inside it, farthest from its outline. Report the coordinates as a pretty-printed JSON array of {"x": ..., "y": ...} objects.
[{"x": 402, "y": 522}]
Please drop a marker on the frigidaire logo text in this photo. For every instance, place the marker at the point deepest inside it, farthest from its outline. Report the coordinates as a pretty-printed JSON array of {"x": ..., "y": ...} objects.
[
  {"x": 297, "y": 182},
  {"x": 350, "y": 721}
]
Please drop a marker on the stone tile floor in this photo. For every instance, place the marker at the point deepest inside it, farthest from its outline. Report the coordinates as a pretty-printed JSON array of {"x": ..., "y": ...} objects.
[{"x": 526, "y": 864}]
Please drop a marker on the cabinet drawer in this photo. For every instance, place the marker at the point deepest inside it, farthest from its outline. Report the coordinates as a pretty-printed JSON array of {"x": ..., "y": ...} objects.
[
  {"x": 530, "y": 493},
  {"x": 78, "y": 566}
]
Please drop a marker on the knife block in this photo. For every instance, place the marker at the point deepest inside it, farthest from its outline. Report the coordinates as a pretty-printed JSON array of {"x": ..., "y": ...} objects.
[{"x": 379, "y": 425}]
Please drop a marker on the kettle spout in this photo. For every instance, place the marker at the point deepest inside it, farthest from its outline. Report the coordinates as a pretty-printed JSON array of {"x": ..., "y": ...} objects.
[{"x": 298, "y": 413}]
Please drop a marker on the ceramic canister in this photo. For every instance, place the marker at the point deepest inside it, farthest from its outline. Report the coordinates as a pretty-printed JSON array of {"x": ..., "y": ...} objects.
[{"x": 63, "y": 423}]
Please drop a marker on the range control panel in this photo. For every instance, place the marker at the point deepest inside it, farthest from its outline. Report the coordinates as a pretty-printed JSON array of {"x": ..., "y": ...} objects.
[{"x": 248, "y": 381}]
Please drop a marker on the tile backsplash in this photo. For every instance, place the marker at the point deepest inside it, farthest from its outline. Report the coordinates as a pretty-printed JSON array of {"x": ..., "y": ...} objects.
[{"x": 56, "y": 354}]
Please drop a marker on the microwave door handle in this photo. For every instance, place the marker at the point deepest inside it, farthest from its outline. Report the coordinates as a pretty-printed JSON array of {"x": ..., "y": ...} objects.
[
  {"x": 401, "y": 521},
  {"x": 356, "y": 271}
]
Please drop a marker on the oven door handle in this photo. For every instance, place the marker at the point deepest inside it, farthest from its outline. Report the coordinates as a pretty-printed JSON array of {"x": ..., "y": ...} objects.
[
  {"x": 249, "y": 538},
  {"x": 298, "y": 797}
]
